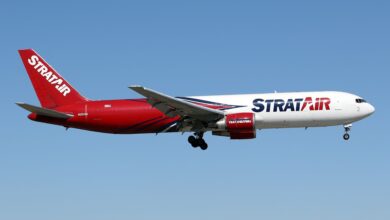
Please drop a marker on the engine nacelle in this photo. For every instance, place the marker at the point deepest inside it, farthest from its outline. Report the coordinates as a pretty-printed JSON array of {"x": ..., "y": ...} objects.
[{"x": 238, "y": 126}]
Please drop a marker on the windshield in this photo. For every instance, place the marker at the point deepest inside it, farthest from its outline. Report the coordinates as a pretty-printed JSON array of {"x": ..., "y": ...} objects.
[{"x": 360, "y": 100}]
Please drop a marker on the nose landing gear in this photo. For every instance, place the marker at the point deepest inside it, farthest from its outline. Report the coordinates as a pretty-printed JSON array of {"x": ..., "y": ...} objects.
[
  {"x": 346, "y": 136},
  {"x": 197, "y": 140},
  {"x": 347, "y": 128}
]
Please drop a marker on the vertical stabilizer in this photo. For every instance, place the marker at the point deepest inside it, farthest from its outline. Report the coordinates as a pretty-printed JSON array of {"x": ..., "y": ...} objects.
[{"x": 51, "y": 88}]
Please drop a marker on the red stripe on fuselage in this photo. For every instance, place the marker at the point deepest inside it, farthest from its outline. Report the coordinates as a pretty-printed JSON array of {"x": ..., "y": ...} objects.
[{"x": 112, "y": 116}]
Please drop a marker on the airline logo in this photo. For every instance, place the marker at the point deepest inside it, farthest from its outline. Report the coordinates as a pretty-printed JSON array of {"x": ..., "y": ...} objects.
[
  {"x": 298, "y": 104},
  {"x": 52, "y": 78},
  {"x": 240, "y": 121}
]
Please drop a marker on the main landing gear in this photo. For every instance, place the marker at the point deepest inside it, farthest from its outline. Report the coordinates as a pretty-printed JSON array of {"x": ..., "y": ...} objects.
[
  {"x": 197, "y": 140},
  {"x": 347, "y": 128}
]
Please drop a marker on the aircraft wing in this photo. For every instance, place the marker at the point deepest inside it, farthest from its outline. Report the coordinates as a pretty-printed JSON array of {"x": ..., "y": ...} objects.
[
  {"x": 44, "y": 111},
  {"x": 172, "y": 106}
]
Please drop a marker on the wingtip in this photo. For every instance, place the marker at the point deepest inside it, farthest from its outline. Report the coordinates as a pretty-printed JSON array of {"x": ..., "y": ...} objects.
[
  {"x": 22, "y": 105},
  {"x": 135, "y": 86}
]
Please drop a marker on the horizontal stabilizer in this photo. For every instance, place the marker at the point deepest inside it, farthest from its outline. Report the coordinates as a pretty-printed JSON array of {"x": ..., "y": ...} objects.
[{"x": 44, "y": 111}]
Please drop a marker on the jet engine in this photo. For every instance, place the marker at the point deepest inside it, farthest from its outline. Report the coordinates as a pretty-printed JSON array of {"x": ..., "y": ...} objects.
[{"x": 237, "y": 126}]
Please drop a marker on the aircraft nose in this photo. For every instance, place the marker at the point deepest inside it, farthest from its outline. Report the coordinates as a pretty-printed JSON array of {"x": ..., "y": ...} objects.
[{"x": 370, "y": 109}]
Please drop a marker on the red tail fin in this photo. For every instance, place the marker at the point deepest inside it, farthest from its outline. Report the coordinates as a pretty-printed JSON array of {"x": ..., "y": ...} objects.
[{"x": 51, "y": 88}]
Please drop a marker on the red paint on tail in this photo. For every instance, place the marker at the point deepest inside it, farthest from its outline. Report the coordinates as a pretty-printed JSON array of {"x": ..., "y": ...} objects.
[{"x": 51, "y": 88}]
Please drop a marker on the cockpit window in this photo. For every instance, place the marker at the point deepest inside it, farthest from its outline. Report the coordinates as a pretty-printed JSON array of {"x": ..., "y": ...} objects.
[{"x": 360, "y": 100}]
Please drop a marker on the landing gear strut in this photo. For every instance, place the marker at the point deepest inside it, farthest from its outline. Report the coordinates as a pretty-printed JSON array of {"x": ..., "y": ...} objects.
[
  {"x": 197, "y": 140},
  {"x": 347, "y": 128}
]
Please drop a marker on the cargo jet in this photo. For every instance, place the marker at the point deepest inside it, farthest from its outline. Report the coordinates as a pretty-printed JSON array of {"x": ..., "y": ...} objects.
[{"x": 233, "y": 116}]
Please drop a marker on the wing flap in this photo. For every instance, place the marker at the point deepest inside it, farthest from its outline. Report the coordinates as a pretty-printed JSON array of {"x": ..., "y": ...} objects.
[{"x": 44, "y": 111}]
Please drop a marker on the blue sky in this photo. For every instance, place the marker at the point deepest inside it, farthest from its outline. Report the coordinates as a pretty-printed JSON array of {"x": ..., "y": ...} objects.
[{"x": 197, "y": 48}]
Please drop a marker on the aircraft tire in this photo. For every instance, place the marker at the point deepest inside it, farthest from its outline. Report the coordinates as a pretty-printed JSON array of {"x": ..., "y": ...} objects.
[
  {"x": 203, "y": 145},
  {"x": 193, "y": 141}
]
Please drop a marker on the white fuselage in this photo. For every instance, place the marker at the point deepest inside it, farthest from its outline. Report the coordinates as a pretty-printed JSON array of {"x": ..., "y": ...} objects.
[{"x": 297, "y": 109}]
